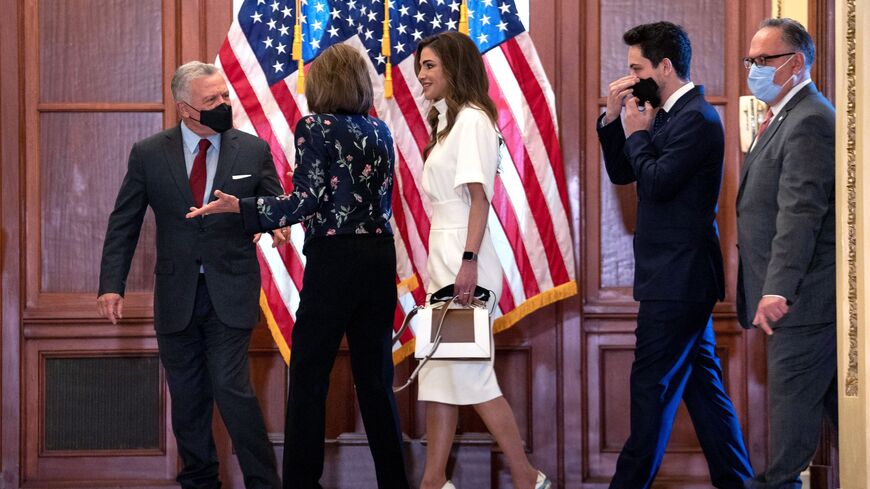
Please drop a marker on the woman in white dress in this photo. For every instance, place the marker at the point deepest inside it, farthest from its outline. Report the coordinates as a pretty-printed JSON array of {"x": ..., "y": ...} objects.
[{"x": 458, "y": 177}]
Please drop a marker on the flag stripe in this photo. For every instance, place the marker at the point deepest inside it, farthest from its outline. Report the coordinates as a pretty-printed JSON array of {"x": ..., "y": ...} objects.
[
  {"x": 540, "y": 212},
  {"x": 538, "y": 158},
  {"x": 251, "y": 104},
  {"x": 506, "y": 302},
  {"x": 294, "y": 265},
  {"x": 409, "y": 108},
  {"x": 536, "y": 101},
  {"x": 411, "y": 194},
  {"x": 508, "y": 219},
  {"x": 402, "y": 231}
]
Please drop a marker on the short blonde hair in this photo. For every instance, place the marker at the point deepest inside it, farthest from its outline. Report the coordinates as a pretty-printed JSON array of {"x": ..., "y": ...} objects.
[{"x": 338, "y": 82}]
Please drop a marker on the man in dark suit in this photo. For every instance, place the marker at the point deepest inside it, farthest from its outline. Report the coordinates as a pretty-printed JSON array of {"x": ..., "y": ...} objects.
[
  {"x": 786, "y": 230},
  {"x": 207, "y": 283},
  {"x": 670, "y": 143}
]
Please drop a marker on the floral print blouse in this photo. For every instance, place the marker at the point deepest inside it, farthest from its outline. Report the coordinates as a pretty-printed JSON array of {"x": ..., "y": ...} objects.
[{"x": 342, "y": 184}]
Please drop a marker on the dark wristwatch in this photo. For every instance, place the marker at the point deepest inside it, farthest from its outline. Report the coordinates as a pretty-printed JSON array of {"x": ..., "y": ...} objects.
[{"x": 469, "y": 256}]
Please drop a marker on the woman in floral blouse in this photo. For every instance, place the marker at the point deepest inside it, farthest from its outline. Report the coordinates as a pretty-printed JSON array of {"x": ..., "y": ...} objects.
[{"x": 342, "y": 188}]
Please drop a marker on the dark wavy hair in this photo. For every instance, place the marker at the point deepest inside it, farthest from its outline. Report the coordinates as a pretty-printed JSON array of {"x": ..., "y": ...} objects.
[
  {"x": 661, "y": 40},
  {"x": 467, "y": 83}
]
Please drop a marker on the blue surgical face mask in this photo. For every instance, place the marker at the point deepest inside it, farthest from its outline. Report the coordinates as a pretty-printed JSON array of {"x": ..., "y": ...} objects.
[{"x": 761, "y": 82}]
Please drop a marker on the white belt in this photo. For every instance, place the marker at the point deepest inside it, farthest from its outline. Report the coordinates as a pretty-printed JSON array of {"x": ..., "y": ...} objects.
[{"x": 449, "y": 214}]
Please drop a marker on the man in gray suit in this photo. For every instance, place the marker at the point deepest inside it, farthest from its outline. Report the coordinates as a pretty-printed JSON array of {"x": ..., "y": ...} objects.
[
  {"x": 207, "y": 283},
  {"x": 785, "y": 230}
]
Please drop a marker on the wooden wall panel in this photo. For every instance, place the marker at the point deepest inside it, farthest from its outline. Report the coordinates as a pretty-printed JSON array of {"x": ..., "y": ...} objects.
[
  {"x": 120, "y": 47},
  {"x": 341, "y": 408},
  {"x": 618, "y": 215},
  {"x": 609, "y": 355},
  {"x": 94, "y": 73},
  {"x": 67, "y": 125},
  {"x": 41, "y": 467},
  {"x": 11, "y": 252},
  {"x": 75, "y": 195},
  {"x": 269, "y": 378}
]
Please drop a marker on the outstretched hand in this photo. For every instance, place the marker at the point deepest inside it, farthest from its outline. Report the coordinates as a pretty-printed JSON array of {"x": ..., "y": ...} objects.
[{"x": 224, "y": 203}]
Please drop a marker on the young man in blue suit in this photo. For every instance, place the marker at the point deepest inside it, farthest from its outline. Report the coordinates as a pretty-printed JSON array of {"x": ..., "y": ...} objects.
[{"x": 670, "y": 143}]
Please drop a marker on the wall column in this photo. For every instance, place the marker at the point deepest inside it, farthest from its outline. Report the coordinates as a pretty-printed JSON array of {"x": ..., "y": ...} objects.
[{"x": 853, "y": 224}]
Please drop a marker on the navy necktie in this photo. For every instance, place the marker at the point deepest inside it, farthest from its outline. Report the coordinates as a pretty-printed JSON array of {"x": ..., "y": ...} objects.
[{"x": 659, "y": 122}]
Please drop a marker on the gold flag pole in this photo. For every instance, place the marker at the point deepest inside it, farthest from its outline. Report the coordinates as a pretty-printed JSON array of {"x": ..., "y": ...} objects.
[
  {"x": 463, "y": 17},
  {"x": 297, "y": 49},
  {"x": 385, "y": 51}
]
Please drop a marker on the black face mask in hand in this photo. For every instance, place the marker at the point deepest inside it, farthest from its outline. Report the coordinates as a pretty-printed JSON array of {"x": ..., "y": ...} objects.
[
  {"x": 218, "y": 119},
  {"x": 647, "y": 90}
]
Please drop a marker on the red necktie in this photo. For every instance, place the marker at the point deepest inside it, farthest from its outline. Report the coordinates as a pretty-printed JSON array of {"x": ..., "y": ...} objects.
[
  {"x": 764, "y": 124},
  {"x": 197, "y": 173}
]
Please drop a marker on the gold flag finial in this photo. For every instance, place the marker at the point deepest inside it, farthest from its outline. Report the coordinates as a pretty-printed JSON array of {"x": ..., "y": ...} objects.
[
  {"x": 385, "y": 51},
  {"x": 463, "y": 17},
  {"x": 297, "y": 49}
]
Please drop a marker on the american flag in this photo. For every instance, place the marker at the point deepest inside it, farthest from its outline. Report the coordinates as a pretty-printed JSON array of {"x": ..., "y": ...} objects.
[{"x": 528, "y": 218}]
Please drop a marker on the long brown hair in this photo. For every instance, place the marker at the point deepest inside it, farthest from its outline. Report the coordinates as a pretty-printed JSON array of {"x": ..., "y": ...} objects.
[{"x": 467, "y": 83}]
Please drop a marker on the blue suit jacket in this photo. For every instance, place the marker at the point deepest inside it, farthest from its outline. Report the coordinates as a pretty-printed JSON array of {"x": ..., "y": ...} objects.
[{"x": 678, "y": 172}]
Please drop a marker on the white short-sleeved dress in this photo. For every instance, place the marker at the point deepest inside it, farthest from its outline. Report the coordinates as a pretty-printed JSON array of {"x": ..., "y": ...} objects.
[{"x": 469, "y": 154}]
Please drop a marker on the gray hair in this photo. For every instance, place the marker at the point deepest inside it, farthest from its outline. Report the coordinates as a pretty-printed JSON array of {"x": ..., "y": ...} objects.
[
  {"x": 795, "y": 35},
  {"x": 185, "y": 74}
]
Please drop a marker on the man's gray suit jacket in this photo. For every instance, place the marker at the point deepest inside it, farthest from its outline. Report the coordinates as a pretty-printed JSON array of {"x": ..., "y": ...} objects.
[{"x": 785, "y": 214}]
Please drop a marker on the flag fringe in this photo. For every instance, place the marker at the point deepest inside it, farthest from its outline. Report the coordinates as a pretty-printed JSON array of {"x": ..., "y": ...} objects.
[
  {"x": 404, "y": 352},
  {"x": 280, "y": 342},
  {"x": 408, "y": 285},
  {"x": 568, "y": 289}
]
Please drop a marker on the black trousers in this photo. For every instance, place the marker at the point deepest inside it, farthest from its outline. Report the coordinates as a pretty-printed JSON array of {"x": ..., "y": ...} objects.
[
  {"x": 349, "y": 288},
  {"x": 207, "y": 363},
  {"x": 675, "y": 359}
]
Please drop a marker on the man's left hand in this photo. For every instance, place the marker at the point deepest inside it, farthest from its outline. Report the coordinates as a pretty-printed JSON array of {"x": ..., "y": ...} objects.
[
  {"x": 770, "y": 310},
  {"x": 635, "y": 119}
]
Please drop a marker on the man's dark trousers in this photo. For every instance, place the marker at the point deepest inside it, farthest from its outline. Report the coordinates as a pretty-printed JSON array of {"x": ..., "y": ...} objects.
[
  {"x": 675, "y": 358},
  {"x": 206, "y": 363}
]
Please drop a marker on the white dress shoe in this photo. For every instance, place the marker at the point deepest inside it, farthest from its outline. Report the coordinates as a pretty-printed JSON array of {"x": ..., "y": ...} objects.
[
  {"x": 542, "y": 482},
  {"x": 448, "y": 485}
]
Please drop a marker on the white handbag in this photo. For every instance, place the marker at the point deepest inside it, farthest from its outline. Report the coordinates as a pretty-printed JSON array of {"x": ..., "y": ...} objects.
[{"x": 448, "y": 331}]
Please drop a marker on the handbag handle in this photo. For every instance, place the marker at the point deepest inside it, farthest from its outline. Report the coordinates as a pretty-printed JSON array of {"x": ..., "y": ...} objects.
[{"x": 435, "y": 344}]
